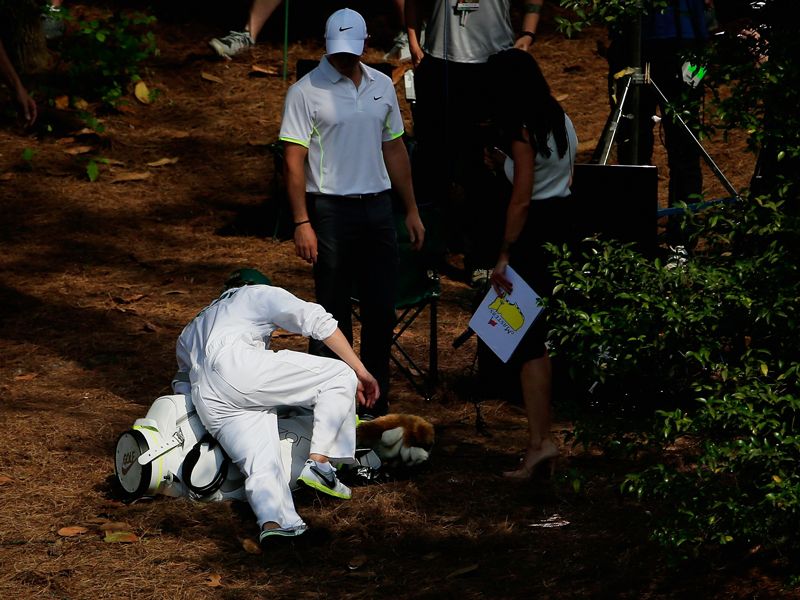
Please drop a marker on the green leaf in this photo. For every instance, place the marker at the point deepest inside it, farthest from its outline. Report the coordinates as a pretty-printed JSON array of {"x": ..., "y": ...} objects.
[{"x": 92, "y": 171}]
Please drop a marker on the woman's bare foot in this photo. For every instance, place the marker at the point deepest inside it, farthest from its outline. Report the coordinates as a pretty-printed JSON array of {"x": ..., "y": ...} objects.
[{"x": 533, "y": 459}]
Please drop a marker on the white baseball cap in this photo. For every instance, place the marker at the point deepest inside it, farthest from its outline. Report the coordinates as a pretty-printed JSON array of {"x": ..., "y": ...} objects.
[{"x": 345, "y": 31}]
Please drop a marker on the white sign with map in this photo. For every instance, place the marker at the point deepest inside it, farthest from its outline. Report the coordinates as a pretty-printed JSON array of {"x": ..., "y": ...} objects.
[{"x": 501, "y": 321}]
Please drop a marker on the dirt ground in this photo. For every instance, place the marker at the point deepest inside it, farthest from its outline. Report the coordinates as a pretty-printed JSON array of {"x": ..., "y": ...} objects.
[{"x": 96, "y": 282}]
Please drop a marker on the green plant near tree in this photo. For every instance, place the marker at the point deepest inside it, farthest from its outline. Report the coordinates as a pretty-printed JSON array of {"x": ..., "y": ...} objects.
[
  {"x": 695, "y": 368},
  {"x": 104, "y": 56}
]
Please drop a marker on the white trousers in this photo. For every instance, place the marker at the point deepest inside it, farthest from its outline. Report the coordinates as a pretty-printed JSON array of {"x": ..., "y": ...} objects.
[{"x": 234, "y": 391}]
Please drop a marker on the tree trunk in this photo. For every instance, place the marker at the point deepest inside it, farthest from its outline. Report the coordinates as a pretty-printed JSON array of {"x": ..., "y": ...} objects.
[{"x": 22, "y": 35}]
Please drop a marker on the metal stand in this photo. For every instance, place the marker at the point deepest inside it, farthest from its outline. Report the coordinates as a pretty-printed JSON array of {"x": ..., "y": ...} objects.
[{"x": 633, "y": 79}]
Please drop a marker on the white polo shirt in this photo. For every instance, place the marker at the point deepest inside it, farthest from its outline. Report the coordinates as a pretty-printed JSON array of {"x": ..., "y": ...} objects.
[{"x": 343, "y": 129}]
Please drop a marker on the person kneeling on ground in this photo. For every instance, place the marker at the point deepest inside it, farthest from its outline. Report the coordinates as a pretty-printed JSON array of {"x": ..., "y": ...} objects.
[{"x": 236, "y": 380}]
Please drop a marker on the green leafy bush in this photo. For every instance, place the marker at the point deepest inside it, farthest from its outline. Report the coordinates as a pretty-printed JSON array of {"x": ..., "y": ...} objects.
[
  {"x": 702, "y": 356},
  {"x": 103, "y": 56},
  {"x": 695, "y": 368}
]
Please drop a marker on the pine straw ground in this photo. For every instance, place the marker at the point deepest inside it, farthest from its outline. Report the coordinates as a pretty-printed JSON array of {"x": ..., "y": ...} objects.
[{"x": 96, "y": 282}]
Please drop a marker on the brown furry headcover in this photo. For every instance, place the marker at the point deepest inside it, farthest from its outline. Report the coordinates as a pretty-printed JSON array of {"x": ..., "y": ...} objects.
[{"x": 416, "y": 430}]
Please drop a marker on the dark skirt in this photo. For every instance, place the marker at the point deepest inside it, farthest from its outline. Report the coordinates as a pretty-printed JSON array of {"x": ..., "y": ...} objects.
[{"x": 548, "y": 220}]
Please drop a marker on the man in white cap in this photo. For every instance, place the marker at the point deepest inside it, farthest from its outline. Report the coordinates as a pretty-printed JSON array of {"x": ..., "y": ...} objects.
[{"x": 342, "y": 130}]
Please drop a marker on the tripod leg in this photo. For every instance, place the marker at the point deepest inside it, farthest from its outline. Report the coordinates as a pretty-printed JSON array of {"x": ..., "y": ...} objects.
[
  {"x": 706, "y": 157},
  {"x": 603, "y": 149}
]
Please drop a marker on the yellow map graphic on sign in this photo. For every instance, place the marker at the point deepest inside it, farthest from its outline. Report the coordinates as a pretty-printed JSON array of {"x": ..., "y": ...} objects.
[{"x": 509, "y": 312}]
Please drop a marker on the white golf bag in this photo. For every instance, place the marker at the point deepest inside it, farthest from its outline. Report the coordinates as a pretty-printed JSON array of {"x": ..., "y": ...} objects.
[{"x": 169, "y": 452}]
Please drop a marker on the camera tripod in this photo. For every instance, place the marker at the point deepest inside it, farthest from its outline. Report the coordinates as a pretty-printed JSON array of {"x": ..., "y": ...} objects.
[{"x": 638, "y": 77}]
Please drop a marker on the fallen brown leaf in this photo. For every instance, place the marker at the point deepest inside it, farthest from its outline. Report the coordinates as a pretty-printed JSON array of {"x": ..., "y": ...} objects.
[
  {"x": 78, "y": 150},
  {"x": 72, "y": 531},
  {"x": 127, "y": 299},
  {"x": 126, "y": 108},
  {"x": 26, "y": 377},
  {"x": 259, "y": 71},
  {"x": 86, "y": 131},
  {"x": 4, "y": 479},
  {"x": 162, "y": 162},
  {"x": 463, "y": 571},
  {"x": 61, "y": 103},
  {"x": 7, "y": 176},
  {"x": 80, "y": 103},
  {"x": 210, "y": 77},
  {"x": 251, "y": 546},
  {"x": 214, "y": 580},
  {"x": 562, "y": 97},
  {"x": 120, "y": 537},
  {"x": 123, "y": 177}
]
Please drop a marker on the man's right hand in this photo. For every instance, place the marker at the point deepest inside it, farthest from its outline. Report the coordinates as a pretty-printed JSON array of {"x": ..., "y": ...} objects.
[
  {"x": 368, "y": 390},
  {"x": 305, "y": 243}
]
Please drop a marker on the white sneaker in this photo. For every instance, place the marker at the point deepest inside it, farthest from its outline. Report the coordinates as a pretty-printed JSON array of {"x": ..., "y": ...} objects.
[
  {"x": 401, "y": 50},
  {"x": 279, "y": 533},
  {"x": 232, "y": 44},
  {"x": 323, "y": 480}
]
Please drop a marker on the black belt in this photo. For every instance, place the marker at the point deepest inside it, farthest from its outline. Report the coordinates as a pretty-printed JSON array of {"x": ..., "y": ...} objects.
[{"x": 371, "y": 196}]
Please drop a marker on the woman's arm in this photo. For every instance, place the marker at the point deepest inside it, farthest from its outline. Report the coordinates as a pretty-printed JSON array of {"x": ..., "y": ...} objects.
[
  {"x": 517, "y": 214},
  {"x": 413, "y": 24}
]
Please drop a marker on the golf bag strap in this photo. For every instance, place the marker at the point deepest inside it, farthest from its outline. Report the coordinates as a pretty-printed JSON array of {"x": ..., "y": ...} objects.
[
  {"x": 156, "y": 451},
  {"x": 190, "y": 462}
]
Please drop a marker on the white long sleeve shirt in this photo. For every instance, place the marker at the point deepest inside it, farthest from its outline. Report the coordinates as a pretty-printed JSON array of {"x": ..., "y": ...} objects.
[{"x": 253, "y": 313}]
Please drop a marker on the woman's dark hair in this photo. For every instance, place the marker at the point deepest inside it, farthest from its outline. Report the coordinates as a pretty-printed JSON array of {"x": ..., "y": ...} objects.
[{"x": 522, "y": 98}]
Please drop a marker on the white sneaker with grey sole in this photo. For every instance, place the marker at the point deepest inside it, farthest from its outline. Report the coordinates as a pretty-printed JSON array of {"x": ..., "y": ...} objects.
[
  {"x": 281, "y": 532},
  {"x": 323, "y": 480}
]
